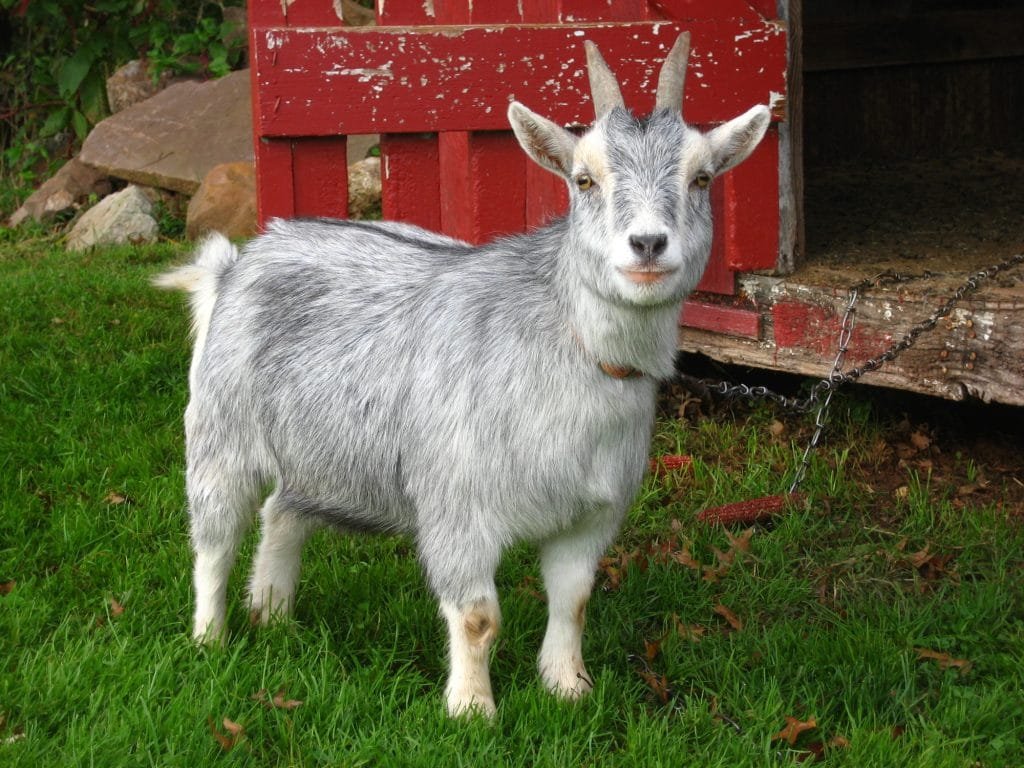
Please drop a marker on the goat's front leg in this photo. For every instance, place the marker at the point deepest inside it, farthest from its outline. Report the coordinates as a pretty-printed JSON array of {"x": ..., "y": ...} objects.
[{"x": 568, "y": 564}]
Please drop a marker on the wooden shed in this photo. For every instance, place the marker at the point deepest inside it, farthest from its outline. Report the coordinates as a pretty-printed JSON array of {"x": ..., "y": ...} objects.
[{"x": 897, "y": 146}]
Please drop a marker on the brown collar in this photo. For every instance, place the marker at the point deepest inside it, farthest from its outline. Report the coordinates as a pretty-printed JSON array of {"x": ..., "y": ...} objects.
[
  {"x": 621, "y": 371},
  {"x": 615, "y": 371}
]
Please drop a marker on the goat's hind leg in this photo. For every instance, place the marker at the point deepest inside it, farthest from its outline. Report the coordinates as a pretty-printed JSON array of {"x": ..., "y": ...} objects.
[
  {"x": 275, "y": 570},
  {"x": 220, "y": 513}
]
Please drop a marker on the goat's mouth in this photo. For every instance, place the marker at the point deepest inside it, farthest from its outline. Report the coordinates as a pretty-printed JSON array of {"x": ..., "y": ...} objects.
[{"x": 646, "y": 276}]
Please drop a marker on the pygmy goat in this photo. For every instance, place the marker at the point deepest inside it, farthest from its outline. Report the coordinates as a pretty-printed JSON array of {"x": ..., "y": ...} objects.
[{"x": 382, "y": 378}]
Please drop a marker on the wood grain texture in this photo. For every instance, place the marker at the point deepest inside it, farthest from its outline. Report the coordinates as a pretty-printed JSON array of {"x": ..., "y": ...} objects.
[{"x": 413, "y": 80}]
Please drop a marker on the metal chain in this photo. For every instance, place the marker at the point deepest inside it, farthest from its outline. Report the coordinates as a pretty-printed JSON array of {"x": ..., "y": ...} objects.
[{"x": 821, "y": 393}]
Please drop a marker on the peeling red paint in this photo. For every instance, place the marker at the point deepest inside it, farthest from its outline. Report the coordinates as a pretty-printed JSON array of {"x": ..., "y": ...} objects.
[{"x": 798, "y": 325}]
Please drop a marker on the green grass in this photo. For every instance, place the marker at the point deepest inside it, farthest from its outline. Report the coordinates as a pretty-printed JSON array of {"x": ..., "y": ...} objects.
[{"x": 97, "y": 668}]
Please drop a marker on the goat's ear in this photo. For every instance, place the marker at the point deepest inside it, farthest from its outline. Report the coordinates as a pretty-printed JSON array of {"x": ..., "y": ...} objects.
[
  {"x": 550, "y": 145},
  {"x": 732, "y": 142}
]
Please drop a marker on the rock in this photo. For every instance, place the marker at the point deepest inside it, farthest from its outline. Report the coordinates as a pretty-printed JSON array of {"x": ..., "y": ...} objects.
[
  {"x": 364, "y": 189},
  {"x": 354, "y": 14},
  {"x": 71, "y": 185},
  {"x": 124, "y": 217},
  {"x": 132, "y": 83},
  {"x": 225, "y": 202},
  {"x": 173, "y": 139}
]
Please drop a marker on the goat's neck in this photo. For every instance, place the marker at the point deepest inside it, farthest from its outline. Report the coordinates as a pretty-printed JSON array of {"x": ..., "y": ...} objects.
[{"x": 620, "y": 334}]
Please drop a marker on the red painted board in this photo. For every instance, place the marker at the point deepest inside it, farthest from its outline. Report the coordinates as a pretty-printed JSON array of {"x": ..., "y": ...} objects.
[
  {"x": 547, "y": 196},
  {"x": 483, "y": 186},
  {"x": 320, "y": 170},
  {"x": 731, "y": 321},
  {"x": 815, "y": 328},
  {"x": 412, "y": 80},
  {"x": 411, "y": 179},
  {"x": 717, "y": 277},
  {"x": 275, "y": 194},
  {"x": 751, "y": 231},
  {"x": 684, "y": 10}
]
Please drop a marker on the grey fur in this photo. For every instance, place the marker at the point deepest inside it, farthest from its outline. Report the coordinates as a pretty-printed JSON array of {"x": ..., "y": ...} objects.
[{"x": 384, "y": 378}]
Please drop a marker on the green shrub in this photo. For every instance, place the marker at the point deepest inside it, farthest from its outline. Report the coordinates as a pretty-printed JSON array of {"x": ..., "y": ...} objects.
[{"x": 60, "y": 52}]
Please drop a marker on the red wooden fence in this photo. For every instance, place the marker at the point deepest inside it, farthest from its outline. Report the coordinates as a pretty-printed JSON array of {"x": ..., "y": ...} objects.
[{"x": 434, "y": 79}]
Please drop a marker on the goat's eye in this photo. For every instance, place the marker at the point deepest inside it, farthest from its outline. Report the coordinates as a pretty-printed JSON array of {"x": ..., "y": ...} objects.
[
  {"x": 584, "y": 182},
  {"x": 702, "y": 179}
]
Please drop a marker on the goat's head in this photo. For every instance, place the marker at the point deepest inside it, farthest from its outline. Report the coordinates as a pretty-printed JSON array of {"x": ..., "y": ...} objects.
[{"x": 639, "y": 188}]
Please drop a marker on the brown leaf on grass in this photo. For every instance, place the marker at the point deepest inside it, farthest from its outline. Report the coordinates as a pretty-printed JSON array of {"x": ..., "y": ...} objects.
[
  {"x": 117, "y": 498},
  {"x": 692, "y": 632},
  {"x": 280, "y": 701},
  {"x": 793, "y": 729},
  {"x": 944, "y": 660},
  {"x": 116, "y": 608},
  {"x": 920, "y": 440},
  {"x": 657, "y": 683},
  {"x": 528, "y": 586},
  {"x": 651, "y": 649},
  {"x": 740, "y": 542},
  {"x": 776, "y": 428},
  {"x": 734, "y": 621},
  {"x": 229, "y": 740},
  {"x": 6, "y": 587},
  {"x": 614, "y": 566},
  {"x": 685, "y": 558}
]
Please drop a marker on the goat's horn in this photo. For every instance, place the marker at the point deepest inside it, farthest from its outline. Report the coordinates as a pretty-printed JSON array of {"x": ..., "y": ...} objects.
[
  {"x": 604, "y": 88},
  {"x": 673, "y": 75}
]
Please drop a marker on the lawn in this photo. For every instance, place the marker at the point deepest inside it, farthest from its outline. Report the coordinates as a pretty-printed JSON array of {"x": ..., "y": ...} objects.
[{"x": 878, "y": 623}]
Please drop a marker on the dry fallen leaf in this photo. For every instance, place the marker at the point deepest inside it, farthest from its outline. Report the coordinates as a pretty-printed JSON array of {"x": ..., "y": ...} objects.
[
  {"x": 651, "y": 649},
  {"x": 6, "y": 587},
  {"x": 776, "y": 428},
  {"x": 920, "y": 440},
  {"x": 227, "y": 741},
  {"x": 793, "y": 729},
  {"x": 116, "y": 498},
  {"x": 692, "y": 632},
  {"x": 116, "y": 608},
  {"x": 280, "y": 702},
  {"x": 657, "y": 683},
  {"x": 944, "y": 660},
  {"x": 734, "y": 621}
]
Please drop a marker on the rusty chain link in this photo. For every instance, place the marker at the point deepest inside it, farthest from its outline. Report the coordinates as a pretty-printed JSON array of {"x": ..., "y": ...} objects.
[{"x": 821, "y": 393}]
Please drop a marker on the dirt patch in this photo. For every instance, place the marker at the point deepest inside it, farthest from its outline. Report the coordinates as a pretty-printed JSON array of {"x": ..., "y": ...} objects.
[{"x": 955, "y": 214}]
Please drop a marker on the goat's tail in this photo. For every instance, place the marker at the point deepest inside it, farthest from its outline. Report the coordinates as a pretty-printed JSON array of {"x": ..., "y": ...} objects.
[{"x": 200, "y": 279}]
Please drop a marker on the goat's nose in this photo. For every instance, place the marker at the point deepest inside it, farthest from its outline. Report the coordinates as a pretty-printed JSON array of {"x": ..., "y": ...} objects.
[{"x": 648, "y": 247}]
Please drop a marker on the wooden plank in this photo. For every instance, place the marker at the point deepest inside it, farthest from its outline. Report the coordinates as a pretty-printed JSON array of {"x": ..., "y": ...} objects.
[
  {"x": 320, "y": 176},
  {"x": 411, "y": 179},
  {"x": 973, "y": 353},
  {"x": 483, "y": 185},
  {"x": 718, "y": 277},
  {"x": 546, "y": 196},
  {"x": 720, "y": 318},
  {"x": 275, "y": 197},
  {"x": 689, "y": 10},
  {"x": 792, "y": 235},
  {"x": 413, "y": 80},
  {"x": 751, "y": 231}
]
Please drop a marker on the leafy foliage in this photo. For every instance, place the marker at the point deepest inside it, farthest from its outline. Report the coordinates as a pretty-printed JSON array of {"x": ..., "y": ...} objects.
[{"x": 58, "y": 54}]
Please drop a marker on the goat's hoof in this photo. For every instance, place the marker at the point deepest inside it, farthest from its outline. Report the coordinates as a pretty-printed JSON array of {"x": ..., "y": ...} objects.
[
  {"x": 571, "y": 682},
  {"x": 210, "y": 635},
  {"x": 471, "y": 705}
]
